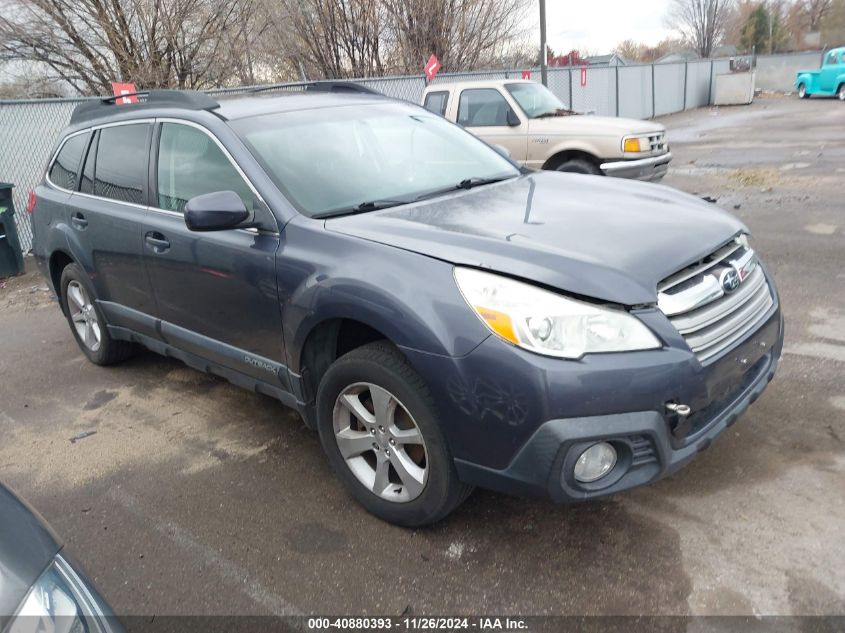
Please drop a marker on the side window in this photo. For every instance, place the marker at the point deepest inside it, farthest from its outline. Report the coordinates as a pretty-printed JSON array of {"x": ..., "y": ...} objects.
[
  {"x": 63, "y": 171},
  {"x": 482, "y": 107},
  {"x": 121, "y": 162},
  {"x": 87, "y": 182},
  {"x": 190, "y": 164},
  {"x": 831, "y": 59},
  {"x": 436, "y": 102}
]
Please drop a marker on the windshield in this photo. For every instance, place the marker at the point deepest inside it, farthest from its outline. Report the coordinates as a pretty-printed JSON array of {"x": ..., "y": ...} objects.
[
  {"x": 535, "y": 99},
  {"x": 360, "y": 158}
]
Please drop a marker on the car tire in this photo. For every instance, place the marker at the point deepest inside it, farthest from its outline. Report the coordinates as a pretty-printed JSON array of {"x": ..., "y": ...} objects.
[
  {"x": 86, "y": 320},
  {"x": 579, "y": 166},
  {"x": 841, "y": 92},
  {"x": 428, "y": 488},
  {"x": 802, "y": 91}
]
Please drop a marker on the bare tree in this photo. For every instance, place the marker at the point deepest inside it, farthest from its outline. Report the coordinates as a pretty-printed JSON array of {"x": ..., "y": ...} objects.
[
  {"x": 154, "y": 43},
  {"x": 331, "y": 38},
  {"x": 701, "y": 23},
  {"x": 361, "y": 38},
  {"x": 816, "y": 10},
  {"x": 209, "y": 43},
  {"x": 464, "y": 34},
  {"x": 832, "y": 25}
]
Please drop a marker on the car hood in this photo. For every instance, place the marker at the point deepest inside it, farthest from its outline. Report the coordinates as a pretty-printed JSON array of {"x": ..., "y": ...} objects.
[
  {"x": 595, "y": 125},
  {"x": 606, "y": 238},
  {"x": 27, "y": 547}
]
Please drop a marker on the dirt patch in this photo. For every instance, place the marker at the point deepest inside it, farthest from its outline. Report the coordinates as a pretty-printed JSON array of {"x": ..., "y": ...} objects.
[
  {"x": 25, "y": 292},
  {"x": 755, "y": 177}
]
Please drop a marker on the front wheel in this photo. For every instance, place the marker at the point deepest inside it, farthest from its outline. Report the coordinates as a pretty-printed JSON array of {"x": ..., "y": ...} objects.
[
  {"x": 841, "y": 92},
  {"x": 802, "y": 91},
  {"x": 579, "y": 166},
  {"x": 378, "y": 426}
]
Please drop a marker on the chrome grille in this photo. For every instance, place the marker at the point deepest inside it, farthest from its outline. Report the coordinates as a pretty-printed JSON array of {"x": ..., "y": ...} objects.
[
  {"x": 657, "y": 142},
  {"x": 708, "y": 316}
]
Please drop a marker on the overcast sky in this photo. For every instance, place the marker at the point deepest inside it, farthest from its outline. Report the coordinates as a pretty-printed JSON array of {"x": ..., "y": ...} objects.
[{"x": 598, "y": 25}]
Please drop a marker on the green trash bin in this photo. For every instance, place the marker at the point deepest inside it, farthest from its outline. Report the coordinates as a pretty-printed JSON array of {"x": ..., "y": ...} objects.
[{"x": 11, "y": 258}]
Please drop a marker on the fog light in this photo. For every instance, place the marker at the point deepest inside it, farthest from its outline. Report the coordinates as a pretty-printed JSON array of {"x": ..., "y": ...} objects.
[{"x": 595, "y": 462}]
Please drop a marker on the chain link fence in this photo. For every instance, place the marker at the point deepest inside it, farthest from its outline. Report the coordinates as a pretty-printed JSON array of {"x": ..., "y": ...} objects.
[{"x": 29, "y": 129}]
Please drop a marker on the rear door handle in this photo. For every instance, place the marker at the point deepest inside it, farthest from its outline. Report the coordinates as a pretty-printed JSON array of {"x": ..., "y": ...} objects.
[
  {"x": 157, "y": 242},
  {"x": 78, "y": 221}
]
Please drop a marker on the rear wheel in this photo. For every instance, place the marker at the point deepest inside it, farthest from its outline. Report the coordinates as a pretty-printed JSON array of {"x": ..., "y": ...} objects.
[
  {"x": 579, "y": 166},
  {"x": 802, "y": 91},
  {"x": 378, "y": 426},
  {"x": 87, "y": 322}
]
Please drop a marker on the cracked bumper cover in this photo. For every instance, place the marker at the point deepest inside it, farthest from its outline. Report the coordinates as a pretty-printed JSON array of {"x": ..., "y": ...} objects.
[{"x": 647, "y": 446}]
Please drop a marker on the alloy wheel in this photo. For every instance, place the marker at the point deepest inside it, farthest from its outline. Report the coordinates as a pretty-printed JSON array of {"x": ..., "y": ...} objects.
[
  {"x": 380, "y": 442},
  {"x": 84, "y": 316}
]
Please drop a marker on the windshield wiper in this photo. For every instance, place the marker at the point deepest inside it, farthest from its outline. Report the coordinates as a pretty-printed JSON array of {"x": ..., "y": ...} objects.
[
  {"x": 556, "y": 112},
  {"x": 364, "y": 207},
  {"x": 466, "y": 183}
]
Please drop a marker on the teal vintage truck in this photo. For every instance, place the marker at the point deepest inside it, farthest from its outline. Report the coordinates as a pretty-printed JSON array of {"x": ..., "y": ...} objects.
[{"x": 828, "y": 81}]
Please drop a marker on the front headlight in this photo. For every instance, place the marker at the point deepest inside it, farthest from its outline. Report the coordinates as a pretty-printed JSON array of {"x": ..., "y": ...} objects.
[
  {"x": 59, "y": 602},
  {"x": 548, "y": 323},
  {"x": 637, "y": 144}
]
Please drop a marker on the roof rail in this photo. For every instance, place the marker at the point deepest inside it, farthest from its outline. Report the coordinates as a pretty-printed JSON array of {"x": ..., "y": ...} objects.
[
  {"x": 320, "y": 86},
  {"x": 187, "y": 99}
]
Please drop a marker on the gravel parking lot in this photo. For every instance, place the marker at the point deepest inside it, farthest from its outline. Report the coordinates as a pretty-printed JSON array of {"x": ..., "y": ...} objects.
[{"x": 195, "y": 497}]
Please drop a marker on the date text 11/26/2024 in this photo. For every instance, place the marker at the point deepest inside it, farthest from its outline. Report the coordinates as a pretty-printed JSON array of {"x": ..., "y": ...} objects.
[{"x": 417, "y": 624}]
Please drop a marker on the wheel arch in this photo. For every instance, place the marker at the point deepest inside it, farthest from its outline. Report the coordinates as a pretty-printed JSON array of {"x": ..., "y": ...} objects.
[
  {"x": 562, "y": 155},
  {"x": 327, "y": 341}
]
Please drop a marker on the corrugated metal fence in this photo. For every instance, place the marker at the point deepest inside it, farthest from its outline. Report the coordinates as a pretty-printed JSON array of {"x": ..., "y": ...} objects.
[{"x": 29, "y": 129}]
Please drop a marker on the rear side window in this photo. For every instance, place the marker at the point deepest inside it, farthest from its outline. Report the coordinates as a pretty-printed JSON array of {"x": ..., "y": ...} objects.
[
  {"x": 190, "y": 164},
  {"x": 64, "y": 171},
  {"x": 121, "y": 163},
  {"x": 436, "y": 102}
]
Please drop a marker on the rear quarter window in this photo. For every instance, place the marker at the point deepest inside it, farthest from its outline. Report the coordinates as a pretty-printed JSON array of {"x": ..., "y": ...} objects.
[
  {"x": 64, "y": 172},
  {"x": 120, "y": 172},
  {"x": 436, "y": 102}
]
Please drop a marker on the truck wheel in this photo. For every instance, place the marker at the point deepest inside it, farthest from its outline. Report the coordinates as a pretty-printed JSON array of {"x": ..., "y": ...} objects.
[
  {"x": 802, "y": 91},
  {"x": 86, "y": 320},
  {"x": 841, "y": 92},
  {"x": 579, "y": 166},
  {"x": 378, "y": 426}
]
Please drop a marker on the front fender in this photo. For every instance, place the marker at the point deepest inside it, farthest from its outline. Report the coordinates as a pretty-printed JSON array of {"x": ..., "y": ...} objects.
[{"x": 411, "y": 299}]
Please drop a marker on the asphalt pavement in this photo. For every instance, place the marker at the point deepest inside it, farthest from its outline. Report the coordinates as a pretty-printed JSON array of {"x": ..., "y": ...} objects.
[{"x": 191, "y": 496}]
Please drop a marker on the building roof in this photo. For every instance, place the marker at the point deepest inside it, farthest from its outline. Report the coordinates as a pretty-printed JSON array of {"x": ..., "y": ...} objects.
[{"x": 611, "y": 59}]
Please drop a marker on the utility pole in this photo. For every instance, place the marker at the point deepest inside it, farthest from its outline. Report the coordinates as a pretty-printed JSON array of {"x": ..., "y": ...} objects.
[
  {"x": 543, "y": 61},
  {"x": 771, "y": 27}
]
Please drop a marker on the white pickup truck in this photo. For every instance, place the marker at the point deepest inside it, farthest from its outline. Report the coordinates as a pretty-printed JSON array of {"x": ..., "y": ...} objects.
[{"x": 540, "y": 131}]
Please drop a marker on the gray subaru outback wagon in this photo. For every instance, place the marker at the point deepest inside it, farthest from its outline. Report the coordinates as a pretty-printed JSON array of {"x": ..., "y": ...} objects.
[{"x": 444, "y": 318}]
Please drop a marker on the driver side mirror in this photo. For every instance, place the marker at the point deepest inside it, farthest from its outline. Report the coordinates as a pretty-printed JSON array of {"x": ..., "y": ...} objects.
[
  {"x": 513, "y": 119},
  {"x": 217, "y": 211}
]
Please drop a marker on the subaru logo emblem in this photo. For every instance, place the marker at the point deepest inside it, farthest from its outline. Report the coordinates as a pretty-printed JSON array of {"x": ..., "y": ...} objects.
[{"x": 729, "y": 280}]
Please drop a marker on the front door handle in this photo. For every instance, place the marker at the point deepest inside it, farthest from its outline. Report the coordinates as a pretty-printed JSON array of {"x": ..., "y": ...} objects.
[
  {"x": 78, "y": 221},
  {"x": 157, "y": 242}
]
